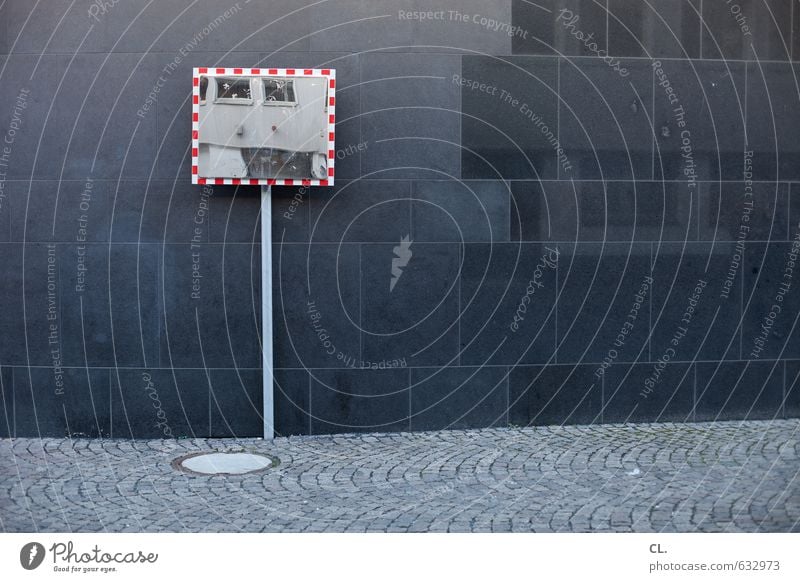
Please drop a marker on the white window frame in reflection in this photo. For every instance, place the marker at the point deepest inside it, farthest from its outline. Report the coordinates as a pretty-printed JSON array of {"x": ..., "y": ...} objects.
[
  {"x": 287, "y": 83},
  {"x": 232, "y": 100}
]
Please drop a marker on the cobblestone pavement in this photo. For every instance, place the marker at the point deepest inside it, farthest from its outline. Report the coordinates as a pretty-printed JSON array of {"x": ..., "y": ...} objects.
[{"x": 733, "y": 476}]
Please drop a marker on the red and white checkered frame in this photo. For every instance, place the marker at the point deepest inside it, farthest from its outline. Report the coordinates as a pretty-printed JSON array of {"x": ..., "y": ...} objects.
[{"x": 330, "y": 74}]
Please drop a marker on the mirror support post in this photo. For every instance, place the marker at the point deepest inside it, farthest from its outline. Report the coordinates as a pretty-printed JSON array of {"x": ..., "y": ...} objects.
[{"x": 266, "y": 310}]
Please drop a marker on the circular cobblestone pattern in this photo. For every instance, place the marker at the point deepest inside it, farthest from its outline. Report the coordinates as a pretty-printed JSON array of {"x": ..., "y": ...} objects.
[{"x": 725, "y": 476}]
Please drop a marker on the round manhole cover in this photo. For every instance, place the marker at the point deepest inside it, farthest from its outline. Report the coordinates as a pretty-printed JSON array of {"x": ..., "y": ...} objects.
[{"x": 224, "y": 463}]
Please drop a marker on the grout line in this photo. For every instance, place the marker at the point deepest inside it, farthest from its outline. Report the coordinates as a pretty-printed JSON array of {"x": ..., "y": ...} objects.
[
  {"x": 411, "y": 193},
  {"x": 741, "y": 300},
  {"x": 694, "y": 395},
  {"x": 345, "y": 181},
  {"x": 702, "y": 25},
  {"x": 461, "y": 256},
  {"x": 461, "y": 117},
  {"x": 13, "y": 427},
  {"x": 419, "y": 53},
  {"x": 110, "y": 406},
  {"x": 555, "y": 340},
  {"x": 360, "y": 116},
  {"x": 654, "y": 143},
  {"x": 746, "y": 95},
  {"x": 360, "y": 305},
  {"x": 695, "y": 210},
  {"x": 507, "y": 381},
  {"x": 792, "y": 56},
  {"x": 161, "y": 308},
  {"x": 602, "y": 398},
  {"x": 783, "y": 400},
  {"x": 424, "y": 366},
  {"x": 310, "y": 198},
  {"x": 650, "y": 311},
  {"x": 532, "y": 241},
  {"x": 433, "y": 242},
  {"x": 409, "y": 399},
  {"x": 433, "y": 366},
  {"x": 558, "y": 115}
]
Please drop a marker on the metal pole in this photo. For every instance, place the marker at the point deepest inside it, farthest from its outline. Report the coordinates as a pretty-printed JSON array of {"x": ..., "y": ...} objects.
[{"x": 266, "y": 309}]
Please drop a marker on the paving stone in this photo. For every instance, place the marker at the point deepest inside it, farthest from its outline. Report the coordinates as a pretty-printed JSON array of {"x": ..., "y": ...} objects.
[{"x": 722, "y": 476}]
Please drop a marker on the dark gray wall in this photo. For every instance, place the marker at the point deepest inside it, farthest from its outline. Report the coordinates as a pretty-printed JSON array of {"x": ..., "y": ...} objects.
[{"x": 96, "y": 188}]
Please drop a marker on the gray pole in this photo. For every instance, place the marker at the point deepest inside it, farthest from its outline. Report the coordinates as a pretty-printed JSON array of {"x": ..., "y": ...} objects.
[{"x": 266, "y": 309}]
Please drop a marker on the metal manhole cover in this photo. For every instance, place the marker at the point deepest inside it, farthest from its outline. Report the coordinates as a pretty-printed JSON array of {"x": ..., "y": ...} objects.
[{"x": 231, "y": 463}]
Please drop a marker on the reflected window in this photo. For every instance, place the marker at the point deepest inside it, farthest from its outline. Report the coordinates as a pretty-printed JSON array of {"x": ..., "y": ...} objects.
[
  {"x": 234, "y": 90},
  {"x": 279, "y": 92}
]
